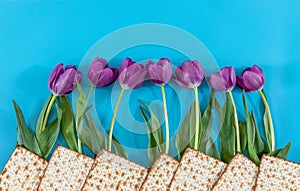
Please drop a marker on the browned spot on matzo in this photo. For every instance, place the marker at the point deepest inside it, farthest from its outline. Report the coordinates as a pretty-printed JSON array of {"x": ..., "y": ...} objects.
[
  {"x": 22, "y": 171},
  {"x": 111, "y": 172},
  {"x": 70, "y": 174},
  {"x": 197, "y": 171},
  {"x": 161, "y": 174}
]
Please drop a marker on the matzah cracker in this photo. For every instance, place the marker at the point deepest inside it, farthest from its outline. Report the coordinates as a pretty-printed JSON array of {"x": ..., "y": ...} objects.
[
  {"x": 111, "y": 172},
  {"x": 67, "y": 170},
  {"x": 278, "y": 174},
  {"x": 23, "y": 171},
  {"x": 196, "y": 171},
  {"x": 161, "y": 174},
  {"x": 239, "y": 175}
]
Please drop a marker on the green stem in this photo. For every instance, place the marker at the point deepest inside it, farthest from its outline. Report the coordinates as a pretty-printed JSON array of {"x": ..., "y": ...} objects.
[
  {"x": 237, "y": 130},
  {"x": 48, "y": 111},
  {"x": 166, "y": 118},
  {"x": 196, "y": 146},
  {"x": 113, "y": 120},
  {"x": 78, "y": 140},
  {"x": 269, "y": 118},
  {"x": 89, "y": 92}
]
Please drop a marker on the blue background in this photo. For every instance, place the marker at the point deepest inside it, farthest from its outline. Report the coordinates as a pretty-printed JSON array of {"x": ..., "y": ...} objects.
[{"x": 35, "y": 36}]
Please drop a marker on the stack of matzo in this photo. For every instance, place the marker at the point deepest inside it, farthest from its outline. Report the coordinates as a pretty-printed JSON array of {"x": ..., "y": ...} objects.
[
  {"x": 23, "y": 171},
  {"x": 112, "y": 172},
  {"x": 67, "y": 170},
  {"x": 240, "y": 175},
  {"x": 161, "y": 174},
  {"x": 278, "y": 174},
  {"x": 196, "y": 171}
]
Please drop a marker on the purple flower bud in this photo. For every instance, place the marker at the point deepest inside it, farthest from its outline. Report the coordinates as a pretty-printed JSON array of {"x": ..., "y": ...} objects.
[
  {"x": 132, "y": 75},
  {"x": 252, "y": 79},
  {"x": 100, "y": 74},
  {"x": 161, "y": 72},
  {"x": 189, "y": 75},
  {"x": 63, "y": 81},
  {"x": 224, "y": 80}
]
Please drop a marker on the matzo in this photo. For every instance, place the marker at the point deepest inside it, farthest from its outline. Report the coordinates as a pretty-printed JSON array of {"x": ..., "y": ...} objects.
[
  {"x": 111, "y": 172},
  {"x": 67, "y": 170},
  {"x": 23, "y": 171},
  {"x": 240, "y": 175},
  {"x": 277, "y": 174},
  {"x": 161, "y": 174},
  {"x": 196, "y": 171}
]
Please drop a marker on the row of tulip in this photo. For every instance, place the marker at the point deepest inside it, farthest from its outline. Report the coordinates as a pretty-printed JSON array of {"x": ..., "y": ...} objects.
[{"x": 132, "y": 75}]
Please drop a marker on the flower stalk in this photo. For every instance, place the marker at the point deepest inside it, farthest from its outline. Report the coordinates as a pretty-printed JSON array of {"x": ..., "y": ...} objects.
[
  {"x": 237, "y": 129},
  {"x": 113, "y": 120},
  {"x": 269, "y": 119},
  {"x": 53, "y": 98},
  {"x": 79, "y": 123},
  {"x": 166, "y": 118},
  {"x": 197, "y": 113}
]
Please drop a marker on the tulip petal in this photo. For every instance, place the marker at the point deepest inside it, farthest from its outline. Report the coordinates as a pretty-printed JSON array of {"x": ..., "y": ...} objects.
[
  {"x": 64, "y": 84},
  {"x": 156, "y": 74},
  {"x": 240, "y": 82},
  {"x": 56, "y": 72},
  {"x": 161, "y": 72},
  {"x": 194, "y": 70},
  {"x": 229, "y": 76},
  {"x": 132, "y": 75},
  {"x": 137, "y": 79},
  {"x": 183, "y": 77},
  {"x": 217, "y": 82},
  {"x": 107, "y": 76},
  {"x": 253, "y": 81},
  {"x": 78, "y": 77},
  {"x": 126, "y": 63},
  {"x": 180, "y": 84}
]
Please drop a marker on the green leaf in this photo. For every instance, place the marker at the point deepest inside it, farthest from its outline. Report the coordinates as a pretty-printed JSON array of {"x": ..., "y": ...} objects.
[
  {"x": 281, "y": 153},
  {"x": 40, "y": 120},
  {"x": 206, "y": 123},
  {"x": 49, "y": 136},
  {"x": 81, "y": 104},
  {"x": 67, "y": 123},
  {"x": 153, "y": 144},
  {"x": 119, "y": 150},
  {"x": 250, "y": 134},
  {"x": 243, "y": 136},
  {"x": 211, "y": 149},
  {"x": 91, "y": 136},
  {"x": 25, "y": 136},
  {"x": 267, "y": 126},
  {"x": 227, "y": 133},
  {"x": 259, "y": 144},
  {"x": 183, "y": 136},
  {"x": 154, "y": 128}
]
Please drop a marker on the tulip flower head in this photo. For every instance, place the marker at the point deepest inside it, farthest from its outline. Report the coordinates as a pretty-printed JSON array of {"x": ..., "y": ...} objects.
[
  {"x": 189, "y": 75},
  {"x": 62, "y": 80},
  {"x": 131, "y": 75},
  {"x": 161, "y": 72},
  {"x": 252, "y": 79},
  {"x": 100, "y": 74},
  {"x": 223, "y": 81}
]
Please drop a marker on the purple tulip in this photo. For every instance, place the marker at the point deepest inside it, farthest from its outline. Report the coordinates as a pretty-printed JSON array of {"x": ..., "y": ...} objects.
[
  {"x": 132, "y": 75},
  {"x": 252, "y": 79},
  {"x": 100, "y": 74},
  {"x": 63, "y": 80},
  {"x": 224, "y": 80},
  {"x": 161, "y": 72},
  {"x": 189, "y": 75}
]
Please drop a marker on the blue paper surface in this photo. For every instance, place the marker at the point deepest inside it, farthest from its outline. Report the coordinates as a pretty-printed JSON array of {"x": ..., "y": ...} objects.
[{"x": 35, "y": 36}]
